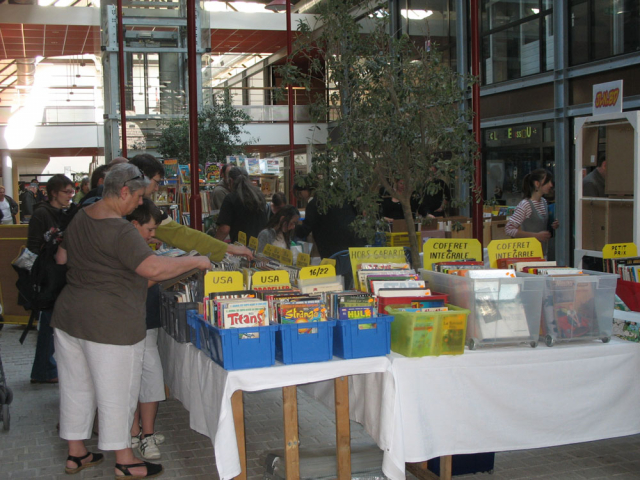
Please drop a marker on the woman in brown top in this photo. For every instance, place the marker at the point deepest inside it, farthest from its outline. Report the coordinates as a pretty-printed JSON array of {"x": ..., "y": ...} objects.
[{"x": 99, "y": 322}]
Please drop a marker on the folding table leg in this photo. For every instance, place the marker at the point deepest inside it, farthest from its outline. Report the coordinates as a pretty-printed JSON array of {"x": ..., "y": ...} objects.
[
  {"x": 421, "y": 471},
  {"x": 291, "y": 439},
  {"x": 343, "y": 428},
  {"x": 237, "y": 405}
]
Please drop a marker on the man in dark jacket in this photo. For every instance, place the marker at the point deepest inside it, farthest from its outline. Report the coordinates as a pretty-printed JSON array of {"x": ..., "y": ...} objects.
[
  {"x": 27, "y": 202},
  {"x": 8, "y": 208}
]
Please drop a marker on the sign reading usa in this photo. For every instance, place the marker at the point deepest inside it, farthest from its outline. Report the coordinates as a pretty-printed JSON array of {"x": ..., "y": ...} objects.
[{"x": 607, "y": 98}]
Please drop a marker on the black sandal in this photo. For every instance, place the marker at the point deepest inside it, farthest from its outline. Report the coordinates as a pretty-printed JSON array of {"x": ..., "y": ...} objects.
[
  {"x": 153, "y": 470},
  {"x": 95, "y": 460}
]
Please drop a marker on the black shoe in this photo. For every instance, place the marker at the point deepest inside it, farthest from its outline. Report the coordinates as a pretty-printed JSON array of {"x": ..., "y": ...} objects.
[{"x": 153, "y": 470}]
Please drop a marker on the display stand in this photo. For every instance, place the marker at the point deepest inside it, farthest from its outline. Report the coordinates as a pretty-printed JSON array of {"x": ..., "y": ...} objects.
[{"x": 609, "y": 219}]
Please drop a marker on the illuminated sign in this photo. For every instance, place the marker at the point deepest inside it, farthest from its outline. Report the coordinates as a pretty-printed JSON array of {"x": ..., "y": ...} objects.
[{"x": 518, "y": 135}]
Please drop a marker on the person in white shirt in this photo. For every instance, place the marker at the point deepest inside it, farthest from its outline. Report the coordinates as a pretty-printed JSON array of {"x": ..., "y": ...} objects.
[{"x": 8, "y": 208}]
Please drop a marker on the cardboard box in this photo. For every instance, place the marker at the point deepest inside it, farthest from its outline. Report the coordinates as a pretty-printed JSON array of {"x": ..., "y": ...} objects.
[{"x": 498, "y": 225}]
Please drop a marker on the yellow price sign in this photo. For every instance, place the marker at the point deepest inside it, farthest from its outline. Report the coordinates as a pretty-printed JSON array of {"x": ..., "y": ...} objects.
[
  {"x": 286, "y": 256},
  {"x": 272, "y": 277},
  {"x": 619, "y": 250},
  {"x": 253, "y": 243},
  {"x": 450, "y": 250},
  {"x": 374, "y": 255},
  {"x": 271, "y": 252},
  {"x": 513, "y": 248},
  {"x": 242, "y": 238},
  {"x": 320, "y": 271},
  {"x": 215, "y": 282},
  {"x": 303, "y": 260},
  {"x": 328, "y": 261}
]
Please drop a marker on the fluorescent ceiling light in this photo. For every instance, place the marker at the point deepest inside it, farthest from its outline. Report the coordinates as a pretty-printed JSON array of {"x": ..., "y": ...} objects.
[
  {"x": 535, "y": 10},
  {"x": 416, "y": 14},
  {"x": 244, "y": 7}
]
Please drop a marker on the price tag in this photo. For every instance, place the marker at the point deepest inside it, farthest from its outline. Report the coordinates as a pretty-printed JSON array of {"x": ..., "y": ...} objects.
[
  {"x": 303, "y": 260},
  {"x": 374, "y": 255},
  {"x": 242, "y": 238},
  {"x": 619, "y": 250},
  {"x": 320, "y": 271},
  {"x": 328, "y": 261},
  {"x": 449, "y": 250},
  {"x": 286, "y": 256},
  {"x": 273, "y": 277},
  {"x": 215, "y": 282},
  {"x": 513, "y": 248},
  {"x": 253, "y": 243}
]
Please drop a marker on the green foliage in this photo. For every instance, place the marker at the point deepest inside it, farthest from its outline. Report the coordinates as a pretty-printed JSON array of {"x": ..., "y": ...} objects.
[
  {"x": 396, "y": 110},
  {"x": 220, "y": 127}
]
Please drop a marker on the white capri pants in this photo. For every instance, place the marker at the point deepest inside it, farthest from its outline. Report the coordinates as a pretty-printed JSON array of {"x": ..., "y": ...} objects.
[
  {"x": 152, "y": 386},
  {"x": 98, "y": 375}
]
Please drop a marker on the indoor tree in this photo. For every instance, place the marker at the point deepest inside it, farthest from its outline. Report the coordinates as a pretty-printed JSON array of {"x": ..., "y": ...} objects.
[
  {"x": 395, "y": 110},
  {"x": 220, "y": 126}
]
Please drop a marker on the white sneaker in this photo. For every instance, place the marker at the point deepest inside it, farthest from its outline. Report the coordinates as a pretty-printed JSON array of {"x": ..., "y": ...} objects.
[
  {"x": 159, "y": 438},
  {"x": 149, "y": 449},
  {"x": 135, "y": 441}
]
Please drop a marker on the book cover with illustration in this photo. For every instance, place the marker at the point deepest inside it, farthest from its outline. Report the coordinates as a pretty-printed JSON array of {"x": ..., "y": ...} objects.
[
  {"x": 353, "y": 313},
  {"x": 570, "y": 310},
  {"x": 240, "y": 314}
]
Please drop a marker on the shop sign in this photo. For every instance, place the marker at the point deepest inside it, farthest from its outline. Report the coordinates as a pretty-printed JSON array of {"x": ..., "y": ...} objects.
[
  {"x": 450, "y": 250},
  {"x": 513, "y": 248},
  {"x": 215, "y": 282},
  {"x": 516, "y": 135},
  {"x": 607, "y": 98},
  {"x": 270, "y": 278},
  {"x": 253, "y": 243},
  {"x": 619, "y": 250},
  {"x": 303, "y": 260},
  {"x": 242, "y": 238}
]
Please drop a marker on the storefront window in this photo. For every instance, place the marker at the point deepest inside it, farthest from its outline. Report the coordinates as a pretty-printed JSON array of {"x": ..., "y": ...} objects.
[
  {"x": 517, "y": 39},
  {"x": 431, "y": 23},
  {"x": 509, "y": 154},
  {"x": 603, "y": 28}
]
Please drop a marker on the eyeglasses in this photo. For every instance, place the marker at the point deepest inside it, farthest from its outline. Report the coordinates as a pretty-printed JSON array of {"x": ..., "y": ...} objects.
[
  {"x": 68, "y": 192},
  {"x": 137, "y": 177}
]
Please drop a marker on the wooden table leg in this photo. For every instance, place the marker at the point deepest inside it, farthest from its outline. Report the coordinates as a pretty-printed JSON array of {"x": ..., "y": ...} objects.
[
  {"x": 237, "y": 405},
  {"x": 343, "y": 428},
  {"x": 291, "y": 439},
  {"x": 421, "y": 471}
]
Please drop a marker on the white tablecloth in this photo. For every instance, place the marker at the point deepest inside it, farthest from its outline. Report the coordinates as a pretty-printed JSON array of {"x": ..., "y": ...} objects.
[
  {"x": 501, "y": 399},
  {"x": 205, "y": 389}
]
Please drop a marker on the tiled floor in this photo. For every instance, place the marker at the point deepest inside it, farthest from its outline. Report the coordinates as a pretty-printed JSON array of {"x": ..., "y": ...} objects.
[{"x": 32, "y": 448}]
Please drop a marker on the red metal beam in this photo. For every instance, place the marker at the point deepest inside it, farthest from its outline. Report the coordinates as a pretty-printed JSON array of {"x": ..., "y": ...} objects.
[
  {"x": 477, "y": 216},
  {"x": 195, "y": 203},
  {"x": 292, "y": 163},
  {"x": 123, "y": 101}
]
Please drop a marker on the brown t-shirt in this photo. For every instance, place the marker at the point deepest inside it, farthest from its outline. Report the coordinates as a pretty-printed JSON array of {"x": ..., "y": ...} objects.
[{"x": 104, "y": 299}]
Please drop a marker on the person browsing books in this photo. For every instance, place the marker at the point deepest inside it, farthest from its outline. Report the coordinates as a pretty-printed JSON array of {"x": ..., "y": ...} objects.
[
  {"x": 146, "y": 219},
  {"x": 99, "y": 322},
  {"x": 279, "y": 229},
  {"x": 531, "y": 217},
  {"x": 243, "y": 210}
]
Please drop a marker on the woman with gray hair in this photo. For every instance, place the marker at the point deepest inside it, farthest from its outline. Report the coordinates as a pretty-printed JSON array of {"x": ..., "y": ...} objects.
[{"x": 99, "y": 322}]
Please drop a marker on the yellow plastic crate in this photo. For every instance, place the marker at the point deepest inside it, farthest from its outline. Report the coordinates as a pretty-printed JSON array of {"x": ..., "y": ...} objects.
[
  {"x": 420, "y": 334},
  {"x": 401, "y": 239}
]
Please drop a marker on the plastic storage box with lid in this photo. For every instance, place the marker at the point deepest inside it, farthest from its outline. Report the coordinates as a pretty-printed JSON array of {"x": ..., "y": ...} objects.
[
  {"x": 419, "y": 334},
  {"x": 578, "y": 308},
  {"x": 305, "y": 342},
  {"x": 238, "y": 348},
  {"x": 362, "y": 337},
  {"x": 504, "y": 311}
]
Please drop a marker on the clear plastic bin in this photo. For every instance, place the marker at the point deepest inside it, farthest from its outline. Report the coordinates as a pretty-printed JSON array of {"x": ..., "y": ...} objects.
[
  {"x": 578, "y": 308},
  {"x": 504, "y": 311}
]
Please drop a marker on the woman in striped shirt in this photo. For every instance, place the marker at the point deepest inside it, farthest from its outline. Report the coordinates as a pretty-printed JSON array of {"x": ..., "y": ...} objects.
[{"x": 531, "y": 217}]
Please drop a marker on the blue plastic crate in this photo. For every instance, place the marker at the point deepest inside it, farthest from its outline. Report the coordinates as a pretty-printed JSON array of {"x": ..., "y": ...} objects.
[
  {"x": 352, "y": 341},
  {"x": 193, "y": 327},
  {"x": 231, "y": 349},
  {"x": 294, "y": 345}
]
